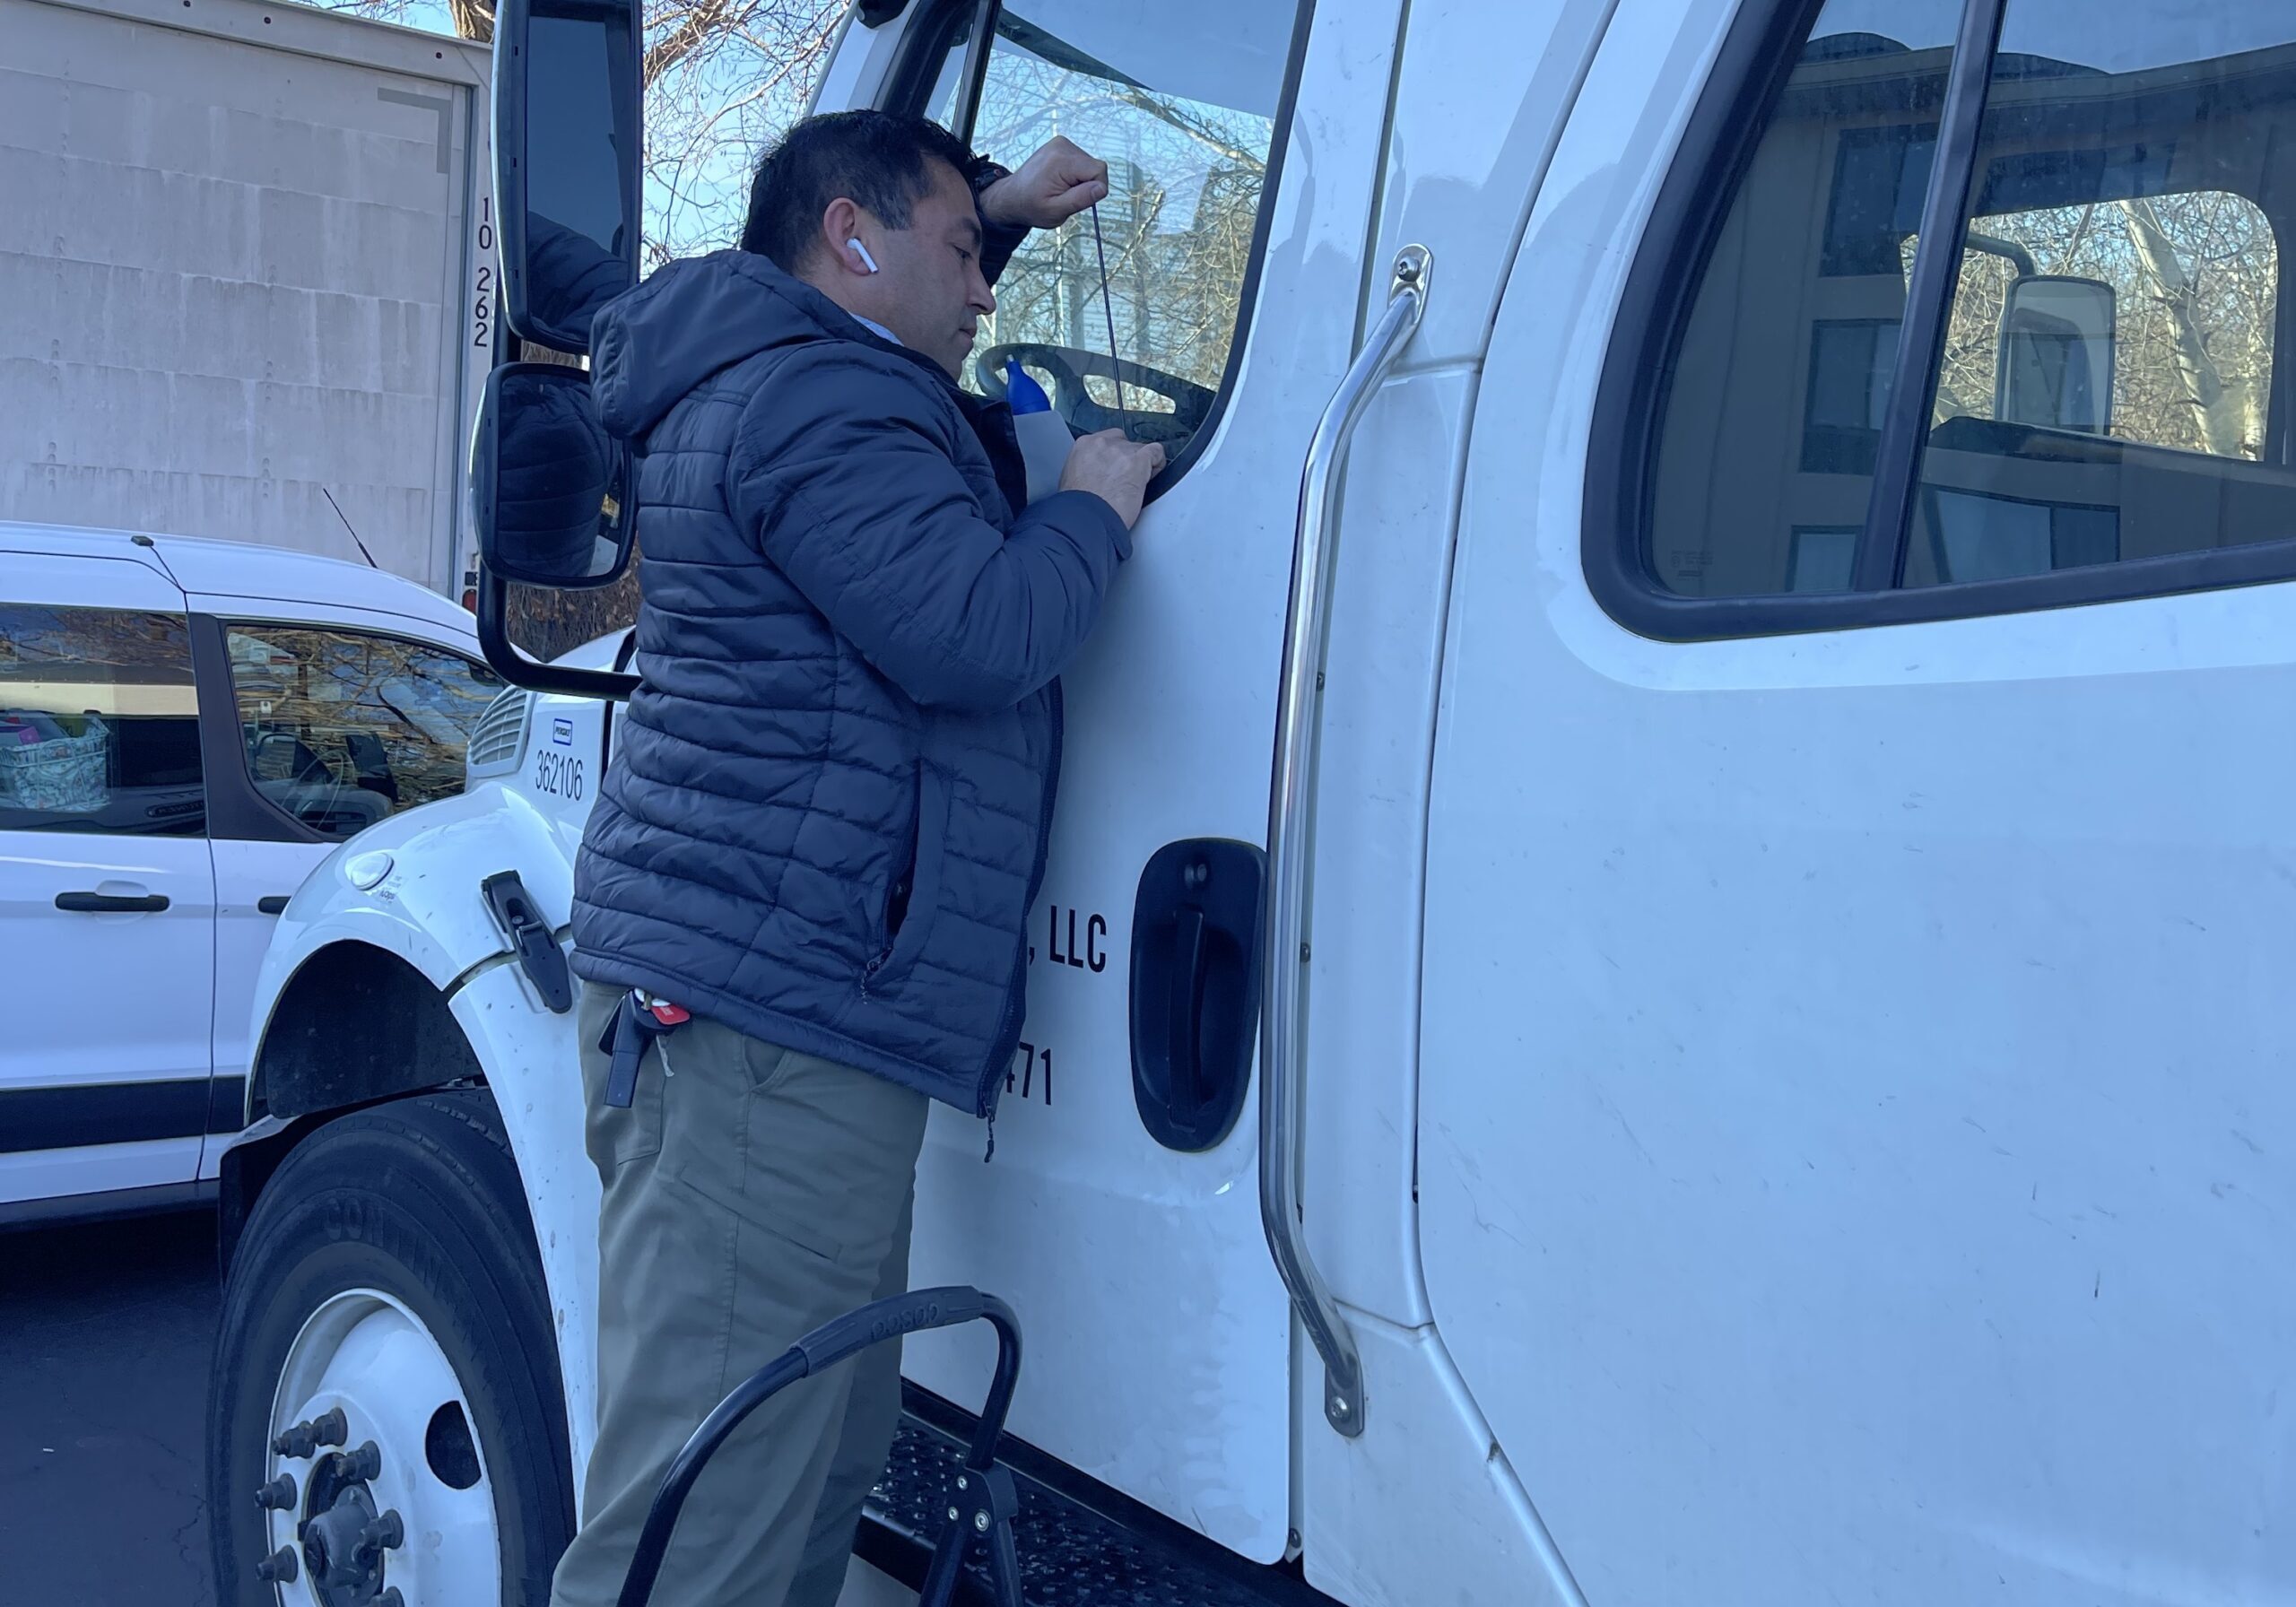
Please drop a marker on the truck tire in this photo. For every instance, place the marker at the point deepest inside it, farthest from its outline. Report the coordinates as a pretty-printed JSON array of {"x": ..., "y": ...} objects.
[{"x": 388, "y": 1293}]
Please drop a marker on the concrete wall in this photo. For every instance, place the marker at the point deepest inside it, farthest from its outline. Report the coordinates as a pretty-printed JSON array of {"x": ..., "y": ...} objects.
[{"x": 239, "y": 247}]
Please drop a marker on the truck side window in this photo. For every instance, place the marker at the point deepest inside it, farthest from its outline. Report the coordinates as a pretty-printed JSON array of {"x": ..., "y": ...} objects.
[
  {"x": 2107, "y": 389},
  {"x": 99, "y": 723},
  {"x": 1187, "y": 133},
  {"x": 343, "y": 729},
  {"x": 2107, "y": 379}
]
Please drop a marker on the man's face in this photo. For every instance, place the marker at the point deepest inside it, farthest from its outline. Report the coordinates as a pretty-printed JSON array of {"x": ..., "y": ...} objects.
[{"x": 928, "y": 290}]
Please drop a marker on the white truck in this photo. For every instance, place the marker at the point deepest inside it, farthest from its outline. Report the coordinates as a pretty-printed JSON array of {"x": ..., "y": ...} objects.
[
  {"x": 246, "y": 276},
  {"x": 1662, "y": 972}
]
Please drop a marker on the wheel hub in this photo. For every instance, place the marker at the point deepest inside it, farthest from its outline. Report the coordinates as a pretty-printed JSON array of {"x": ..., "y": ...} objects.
[
  {"x": 389, "y": 1522},
  {"x": 342, "y": 1537},
  {"x": 344, "y": 1571}
]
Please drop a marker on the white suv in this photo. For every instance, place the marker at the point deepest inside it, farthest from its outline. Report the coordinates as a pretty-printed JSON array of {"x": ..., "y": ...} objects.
[{"x": 187, "y": 728}]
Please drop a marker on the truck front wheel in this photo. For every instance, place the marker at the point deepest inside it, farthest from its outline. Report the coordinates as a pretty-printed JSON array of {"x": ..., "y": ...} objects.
[{"x": 386, "y": 1414}]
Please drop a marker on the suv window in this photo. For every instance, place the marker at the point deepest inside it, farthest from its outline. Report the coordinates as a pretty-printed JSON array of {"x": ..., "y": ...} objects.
[
  {"x": 343, "y": 729},
  {"x": 2102, "y": 385},
  {"x": 99, "y": 723},
  {"x": 1187, "y": 133}
]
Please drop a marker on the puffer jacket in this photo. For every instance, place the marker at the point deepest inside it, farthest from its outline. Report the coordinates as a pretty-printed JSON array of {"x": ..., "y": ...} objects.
[{"x": 824, "y": 822}]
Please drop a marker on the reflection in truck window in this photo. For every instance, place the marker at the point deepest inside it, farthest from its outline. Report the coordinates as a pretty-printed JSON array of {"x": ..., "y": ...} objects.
[
  {"x": 2195, "y": 280},
  {"x": 2109, "y": 388}
]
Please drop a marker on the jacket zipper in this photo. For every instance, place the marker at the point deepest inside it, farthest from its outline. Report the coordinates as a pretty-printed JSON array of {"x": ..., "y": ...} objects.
[
  {"x": 903, "y": 888},
  {"x": 1008, "y": 1035}
]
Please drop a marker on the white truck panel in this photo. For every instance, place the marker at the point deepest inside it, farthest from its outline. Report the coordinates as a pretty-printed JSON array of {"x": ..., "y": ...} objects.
[
  {"x": 1863, "y": 1191},
  {"x": 239, "y": 273}
]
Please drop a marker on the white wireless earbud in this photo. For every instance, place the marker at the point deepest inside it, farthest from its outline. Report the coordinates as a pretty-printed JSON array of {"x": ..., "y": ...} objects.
[{"x": 862, "y": 251}]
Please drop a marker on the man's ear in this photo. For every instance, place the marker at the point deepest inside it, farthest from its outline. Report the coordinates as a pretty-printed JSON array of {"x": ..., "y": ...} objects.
[{"x": 841, "y": 223}]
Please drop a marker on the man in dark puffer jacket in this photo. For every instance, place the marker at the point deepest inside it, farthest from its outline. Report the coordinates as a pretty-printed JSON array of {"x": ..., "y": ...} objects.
[{"x": 825, "y": 820}]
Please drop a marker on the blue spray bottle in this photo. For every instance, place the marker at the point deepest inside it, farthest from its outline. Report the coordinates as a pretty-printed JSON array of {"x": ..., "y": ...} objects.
[{"x": 1045, "y": 436}]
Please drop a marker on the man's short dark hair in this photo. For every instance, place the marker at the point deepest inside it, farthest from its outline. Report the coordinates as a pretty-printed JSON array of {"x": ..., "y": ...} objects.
[{"x": 874, "y": 159}]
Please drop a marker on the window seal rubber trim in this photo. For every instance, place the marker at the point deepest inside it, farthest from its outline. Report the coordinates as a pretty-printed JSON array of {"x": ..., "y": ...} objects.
[
  {"x": 1733, "y": 113},
  {"x": 1879, "y": 564},
  {"x": 912, "y": 77},
  {"x": 974, "y": 83},
  {"x": 237, "y": 811}
]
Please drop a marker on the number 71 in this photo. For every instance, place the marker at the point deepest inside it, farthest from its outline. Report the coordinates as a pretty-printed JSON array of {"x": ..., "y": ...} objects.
[{"x": 1024, "y": 1071}]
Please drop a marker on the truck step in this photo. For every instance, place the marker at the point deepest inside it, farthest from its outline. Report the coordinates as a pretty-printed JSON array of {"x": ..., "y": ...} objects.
[{"x": 1081, "y": 1545}]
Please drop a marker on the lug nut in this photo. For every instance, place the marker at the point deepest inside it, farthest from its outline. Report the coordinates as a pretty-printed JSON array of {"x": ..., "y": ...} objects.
[
  {"x": 279, "y": 1568},
  {"x": 327, "y": 1428},
  {"x": 298, "y": 1442},
  {"x": 365, "y": 1462},
  {"x": 386, "y": 1532},
  {"x": 980, "y": 1522},
  {"x": 277, "y": 1496}
]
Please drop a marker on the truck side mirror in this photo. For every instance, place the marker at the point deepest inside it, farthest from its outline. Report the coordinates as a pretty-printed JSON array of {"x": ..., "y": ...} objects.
[
  {"x": 568, "y": 138},
  {"x": 2055, "y": 364},
  {"x": 550, "y": 487}
]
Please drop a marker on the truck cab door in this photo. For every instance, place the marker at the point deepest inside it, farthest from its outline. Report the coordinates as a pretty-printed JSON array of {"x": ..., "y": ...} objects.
[
  {"x": 1120, "y": 1212},
  {"x": 1214, "y": 304},
  {"x": 1858, "y": 795}
]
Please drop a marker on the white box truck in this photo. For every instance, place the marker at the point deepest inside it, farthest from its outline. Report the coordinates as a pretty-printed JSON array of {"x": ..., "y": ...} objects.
[
  {"x": 245, "y": 280},
  {"x": 1661, "y": 975}
]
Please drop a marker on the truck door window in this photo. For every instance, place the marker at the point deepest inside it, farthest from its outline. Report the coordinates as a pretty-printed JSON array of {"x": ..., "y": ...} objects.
[
  {"x": 2107, "y": 389},
  {"x": 2106, "y": 384},
  {"x": 343, "y": 729},
  {"x": 1781, "y": 378},
  {"x": 1187, "y": 129},
  {"x": 99, "y": 723}
]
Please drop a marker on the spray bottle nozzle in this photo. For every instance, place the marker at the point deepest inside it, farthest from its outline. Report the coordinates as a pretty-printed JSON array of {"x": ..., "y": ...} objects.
[{"x": 1022, "y": 392}]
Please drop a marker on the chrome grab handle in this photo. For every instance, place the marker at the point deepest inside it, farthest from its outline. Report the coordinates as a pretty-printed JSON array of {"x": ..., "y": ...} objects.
[{"x": 1297, "y": 734}]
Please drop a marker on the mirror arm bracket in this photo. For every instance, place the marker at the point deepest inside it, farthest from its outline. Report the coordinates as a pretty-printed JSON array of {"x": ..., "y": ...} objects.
[{"x": 502, "y": 655}]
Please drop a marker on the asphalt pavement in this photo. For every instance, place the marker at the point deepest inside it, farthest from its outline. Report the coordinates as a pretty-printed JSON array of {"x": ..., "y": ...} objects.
[{"x": 105, "y": 1335}]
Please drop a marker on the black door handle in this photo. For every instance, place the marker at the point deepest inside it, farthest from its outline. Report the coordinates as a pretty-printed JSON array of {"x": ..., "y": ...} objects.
[
  {"x": 1197, "y": 924},
  {"x": 273, "y": 904},
  {"x": 1186, "y": 1093},
  {"x": 111, "y": 903}
]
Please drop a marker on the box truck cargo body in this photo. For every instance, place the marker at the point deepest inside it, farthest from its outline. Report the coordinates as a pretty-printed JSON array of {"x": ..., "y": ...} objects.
[{"x": 246, "y": 264}]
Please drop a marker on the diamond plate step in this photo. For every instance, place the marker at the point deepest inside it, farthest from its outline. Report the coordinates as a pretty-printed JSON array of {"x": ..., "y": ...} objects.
[{"x": 1092, "y": 1548}]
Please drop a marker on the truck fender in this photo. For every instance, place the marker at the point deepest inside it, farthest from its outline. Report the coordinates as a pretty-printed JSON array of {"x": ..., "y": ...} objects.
[
  {"x": 529, "y": 1060},
  {"x": 420, "y": 912},
  {"x": 410, "y": 886}
]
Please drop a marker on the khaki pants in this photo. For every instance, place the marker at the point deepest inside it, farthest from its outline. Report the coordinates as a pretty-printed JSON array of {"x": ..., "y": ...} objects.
[{"x": 751, "y": 1193}]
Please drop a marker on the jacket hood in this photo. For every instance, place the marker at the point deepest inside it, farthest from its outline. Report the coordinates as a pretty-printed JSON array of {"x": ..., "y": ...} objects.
[{"x": 652, "y": 344}]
